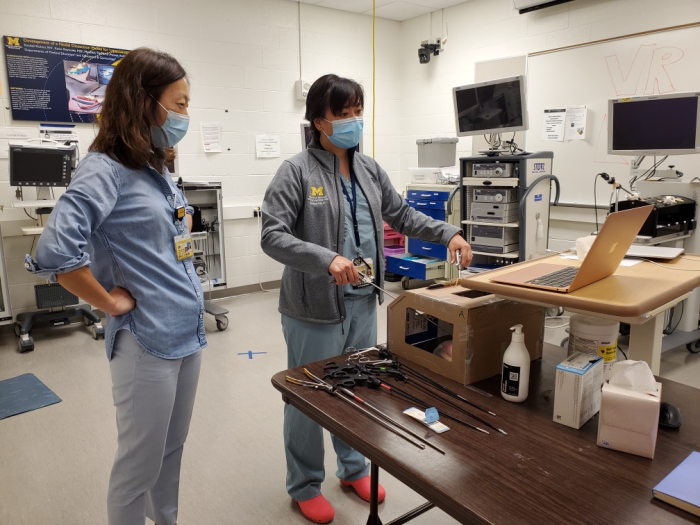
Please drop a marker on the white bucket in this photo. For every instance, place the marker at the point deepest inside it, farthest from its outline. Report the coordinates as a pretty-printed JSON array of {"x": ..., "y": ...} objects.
[{"x": 592, "y": 335}]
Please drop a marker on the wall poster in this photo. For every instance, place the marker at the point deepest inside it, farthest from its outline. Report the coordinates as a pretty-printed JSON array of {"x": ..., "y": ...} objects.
[{"x": 57, "y": 81}]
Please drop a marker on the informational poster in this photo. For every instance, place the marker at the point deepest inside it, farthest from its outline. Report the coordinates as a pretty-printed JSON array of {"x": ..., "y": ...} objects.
[
  {"x": 57, "y": 81},
  {"x": 576, "y": 122},
  {"x": 211, "y": 137},
  {"x": 554, "y": 124},
  {"x": 268, "y": 146}
]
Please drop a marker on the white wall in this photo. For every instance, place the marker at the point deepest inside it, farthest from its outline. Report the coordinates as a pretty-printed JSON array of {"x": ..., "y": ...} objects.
[
  {"x": 242, "y": 56},
  {"x": 489, "y": 29}
]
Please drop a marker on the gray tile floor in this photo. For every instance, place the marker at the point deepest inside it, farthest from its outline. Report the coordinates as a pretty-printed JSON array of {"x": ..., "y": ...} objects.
[{"x": 55, "y": 462}]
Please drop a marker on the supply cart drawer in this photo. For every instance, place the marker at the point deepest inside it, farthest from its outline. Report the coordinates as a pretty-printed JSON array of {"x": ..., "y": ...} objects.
[
  {"x": 416, "y": 266},
  {"x": 431, "y": 249},
  {"x": 396, "y": 249},
  {"x": 434, "y": 209},
  {"x": 428, "y": 194}
]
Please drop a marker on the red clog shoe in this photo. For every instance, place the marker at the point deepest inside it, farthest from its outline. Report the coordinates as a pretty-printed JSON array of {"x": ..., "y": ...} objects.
[
  {"x": 362, "y": 487},
  {"x": 317, "y": 509}
]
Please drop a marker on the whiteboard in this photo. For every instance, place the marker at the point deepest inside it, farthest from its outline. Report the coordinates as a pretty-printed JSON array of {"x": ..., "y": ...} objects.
[{"x": 645, "y": 65}]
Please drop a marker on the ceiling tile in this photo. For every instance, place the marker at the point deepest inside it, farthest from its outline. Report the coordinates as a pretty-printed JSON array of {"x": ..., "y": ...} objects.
[
  {"x": 393, "y": 9},
  {"x": 400, "y": 11},
  {"x": 356, "y": 6}
]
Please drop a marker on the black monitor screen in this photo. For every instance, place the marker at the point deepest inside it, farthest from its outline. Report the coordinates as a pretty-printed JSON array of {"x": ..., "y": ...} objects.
[
  {"x": 489, "y": 108},
  {"x": 37, "y": 166},
  {"x": 663, "y": 124}
]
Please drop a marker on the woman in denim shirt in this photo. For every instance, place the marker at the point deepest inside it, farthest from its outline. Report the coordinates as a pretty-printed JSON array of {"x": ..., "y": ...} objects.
[{"x": 111, "y": 241}]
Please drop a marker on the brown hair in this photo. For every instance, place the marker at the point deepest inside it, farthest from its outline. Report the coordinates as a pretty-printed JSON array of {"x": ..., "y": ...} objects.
[
  {"x": 130, "y": 108},
  {"x": 334, "y": 93}
]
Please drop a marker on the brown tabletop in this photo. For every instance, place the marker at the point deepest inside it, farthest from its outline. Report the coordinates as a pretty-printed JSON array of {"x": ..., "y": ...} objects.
[
  {"x": 541, "y": 472},
  {"x": 630, "y": 292}
]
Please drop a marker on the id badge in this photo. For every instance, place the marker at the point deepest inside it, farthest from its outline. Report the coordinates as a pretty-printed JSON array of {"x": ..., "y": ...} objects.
[
  {"x": 183, "y": 246},
  {"x": 367, "y": 269}
]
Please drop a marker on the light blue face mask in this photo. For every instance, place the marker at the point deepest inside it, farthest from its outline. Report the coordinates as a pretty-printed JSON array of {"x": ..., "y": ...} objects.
[
  {"x": 172, "y": 131},
  {"x": 346, "y": 132}
]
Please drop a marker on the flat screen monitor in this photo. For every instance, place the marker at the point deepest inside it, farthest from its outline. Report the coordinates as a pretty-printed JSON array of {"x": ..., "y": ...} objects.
[
  {"x": 655, "y": 125},
  {"x": 40, "y": 165},
  {"x": 496, "y": 106},
  {"x": 306, "y": 137}
]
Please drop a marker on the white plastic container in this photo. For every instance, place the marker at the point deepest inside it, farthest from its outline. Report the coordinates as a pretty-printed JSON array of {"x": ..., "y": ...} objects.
[
  {"x": 592, "y": 335},
  {"x": 515, "y": 373},
  {"x": 438, "y": 152}
]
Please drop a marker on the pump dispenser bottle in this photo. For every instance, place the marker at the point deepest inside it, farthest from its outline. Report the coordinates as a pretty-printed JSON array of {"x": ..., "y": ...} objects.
[{"x": 515, "y": 375}]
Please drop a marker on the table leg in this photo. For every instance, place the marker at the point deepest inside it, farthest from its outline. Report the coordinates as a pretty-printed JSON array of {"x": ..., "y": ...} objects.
[
  {"x": 374, "y": 496},
  {"x": 645, "y": 342},
  {"x": 412, "y": 515}
]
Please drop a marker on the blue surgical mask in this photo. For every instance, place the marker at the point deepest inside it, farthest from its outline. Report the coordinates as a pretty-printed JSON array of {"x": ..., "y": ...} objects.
[
  {"x": 172, "y": 131},
  {"x": 346, "y": 132}
]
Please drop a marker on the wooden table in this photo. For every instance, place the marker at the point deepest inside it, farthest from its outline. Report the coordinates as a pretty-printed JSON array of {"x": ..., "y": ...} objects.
[
  {"x": 637, "y": 295},
  {"x": 540, "y": 473}
]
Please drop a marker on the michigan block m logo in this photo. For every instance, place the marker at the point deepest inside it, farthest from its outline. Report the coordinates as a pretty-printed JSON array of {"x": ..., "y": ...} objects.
[
  {"x": 11, "y": 41},
  {"x": 317, "y": 192}
]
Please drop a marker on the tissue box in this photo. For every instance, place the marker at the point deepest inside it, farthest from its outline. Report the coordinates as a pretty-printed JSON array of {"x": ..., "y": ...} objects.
[
  {"x": 629, "y": 420},
  {"x": 577, "y": 389}
]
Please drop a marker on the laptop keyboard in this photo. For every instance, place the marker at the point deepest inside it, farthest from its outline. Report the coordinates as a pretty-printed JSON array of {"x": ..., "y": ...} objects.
[{"x": 559, "y": 279}]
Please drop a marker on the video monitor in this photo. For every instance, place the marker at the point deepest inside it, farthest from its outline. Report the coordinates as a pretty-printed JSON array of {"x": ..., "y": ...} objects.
[{"x": 496, "y": 106}]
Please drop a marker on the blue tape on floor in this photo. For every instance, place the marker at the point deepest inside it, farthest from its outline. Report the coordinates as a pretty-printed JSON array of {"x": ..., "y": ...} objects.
[{"x": 23, "y": 394}]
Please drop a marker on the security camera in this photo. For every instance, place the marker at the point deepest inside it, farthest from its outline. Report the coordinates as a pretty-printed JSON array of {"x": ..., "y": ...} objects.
[{"x": 427, "y": 49}]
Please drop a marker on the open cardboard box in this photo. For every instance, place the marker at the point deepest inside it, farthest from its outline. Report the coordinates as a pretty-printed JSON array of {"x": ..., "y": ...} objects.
[{"x": 477, "y": 323}]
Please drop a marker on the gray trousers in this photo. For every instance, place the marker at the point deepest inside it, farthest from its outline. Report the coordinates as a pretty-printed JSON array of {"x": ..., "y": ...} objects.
[{"x": 154, "y": 399}]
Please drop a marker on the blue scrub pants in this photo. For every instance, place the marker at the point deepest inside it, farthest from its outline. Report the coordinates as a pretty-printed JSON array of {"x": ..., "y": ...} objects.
[{"x": 303, "y": 438}]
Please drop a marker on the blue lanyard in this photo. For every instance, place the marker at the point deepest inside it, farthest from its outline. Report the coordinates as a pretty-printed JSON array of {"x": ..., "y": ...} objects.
[{"x": 353, "y": 207}]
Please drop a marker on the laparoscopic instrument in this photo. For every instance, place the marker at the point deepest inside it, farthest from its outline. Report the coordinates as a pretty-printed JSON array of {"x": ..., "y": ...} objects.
[{"x": 320, "y": 384}]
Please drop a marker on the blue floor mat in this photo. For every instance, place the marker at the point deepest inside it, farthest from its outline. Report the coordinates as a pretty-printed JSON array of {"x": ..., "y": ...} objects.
[{"x": 23, "y": 394}]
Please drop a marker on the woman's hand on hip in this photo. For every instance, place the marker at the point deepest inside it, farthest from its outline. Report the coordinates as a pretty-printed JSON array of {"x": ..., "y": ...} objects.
[
  {"x": 123, "y": 302},
  {"x": 457, "y": 243},
  {"x": 343, "y": 270}
]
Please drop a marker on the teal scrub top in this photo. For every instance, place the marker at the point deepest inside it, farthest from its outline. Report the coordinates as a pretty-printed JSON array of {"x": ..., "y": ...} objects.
[{"x": 368, "y": 241}]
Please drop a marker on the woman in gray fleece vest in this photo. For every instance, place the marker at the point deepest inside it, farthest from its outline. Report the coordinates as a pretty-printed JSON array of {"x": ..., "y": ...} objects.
[{"x": 323, "y": 219}]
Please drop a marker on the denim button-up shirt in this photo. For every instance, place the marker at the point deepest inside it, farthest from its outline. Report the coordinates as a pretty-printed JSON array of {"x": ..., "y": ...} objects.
[{"x": 121, "y": 222}]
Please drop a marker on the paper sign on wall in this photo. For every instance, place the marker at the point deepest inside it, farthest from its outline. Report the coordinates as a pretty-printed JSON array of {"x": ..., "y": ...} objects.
[
  {"x": 211, "y": 137},
  {"x": 576, "y": 122},
  {"x": 554, "y": 124},
  {"x": 13, "y": 135},
  {"x": 267, "y": 146},
  {"x": 569, "y": 123}
]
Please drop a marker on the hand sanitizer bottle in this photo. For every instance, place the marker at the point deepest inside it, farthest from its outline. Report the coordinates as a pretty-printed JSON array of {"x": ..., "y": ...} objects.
[{"x": 515, "y": 375}]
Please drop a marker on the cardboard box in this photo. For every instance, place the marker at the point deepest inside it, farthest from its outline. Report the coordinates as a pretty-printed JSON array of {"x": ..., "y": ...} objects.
[
  {"x": 577, "y": 389},
  {"x": 477, "y": 323},
  {"x": 629, "y": 420}
]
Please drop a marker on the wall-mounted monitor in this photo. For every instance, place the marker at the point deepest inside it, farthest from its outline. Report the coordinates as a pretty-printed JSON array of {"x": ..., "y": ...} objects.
[
  {"x": 655, "y": 125},
  {"x": 496, "y": 106}
]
